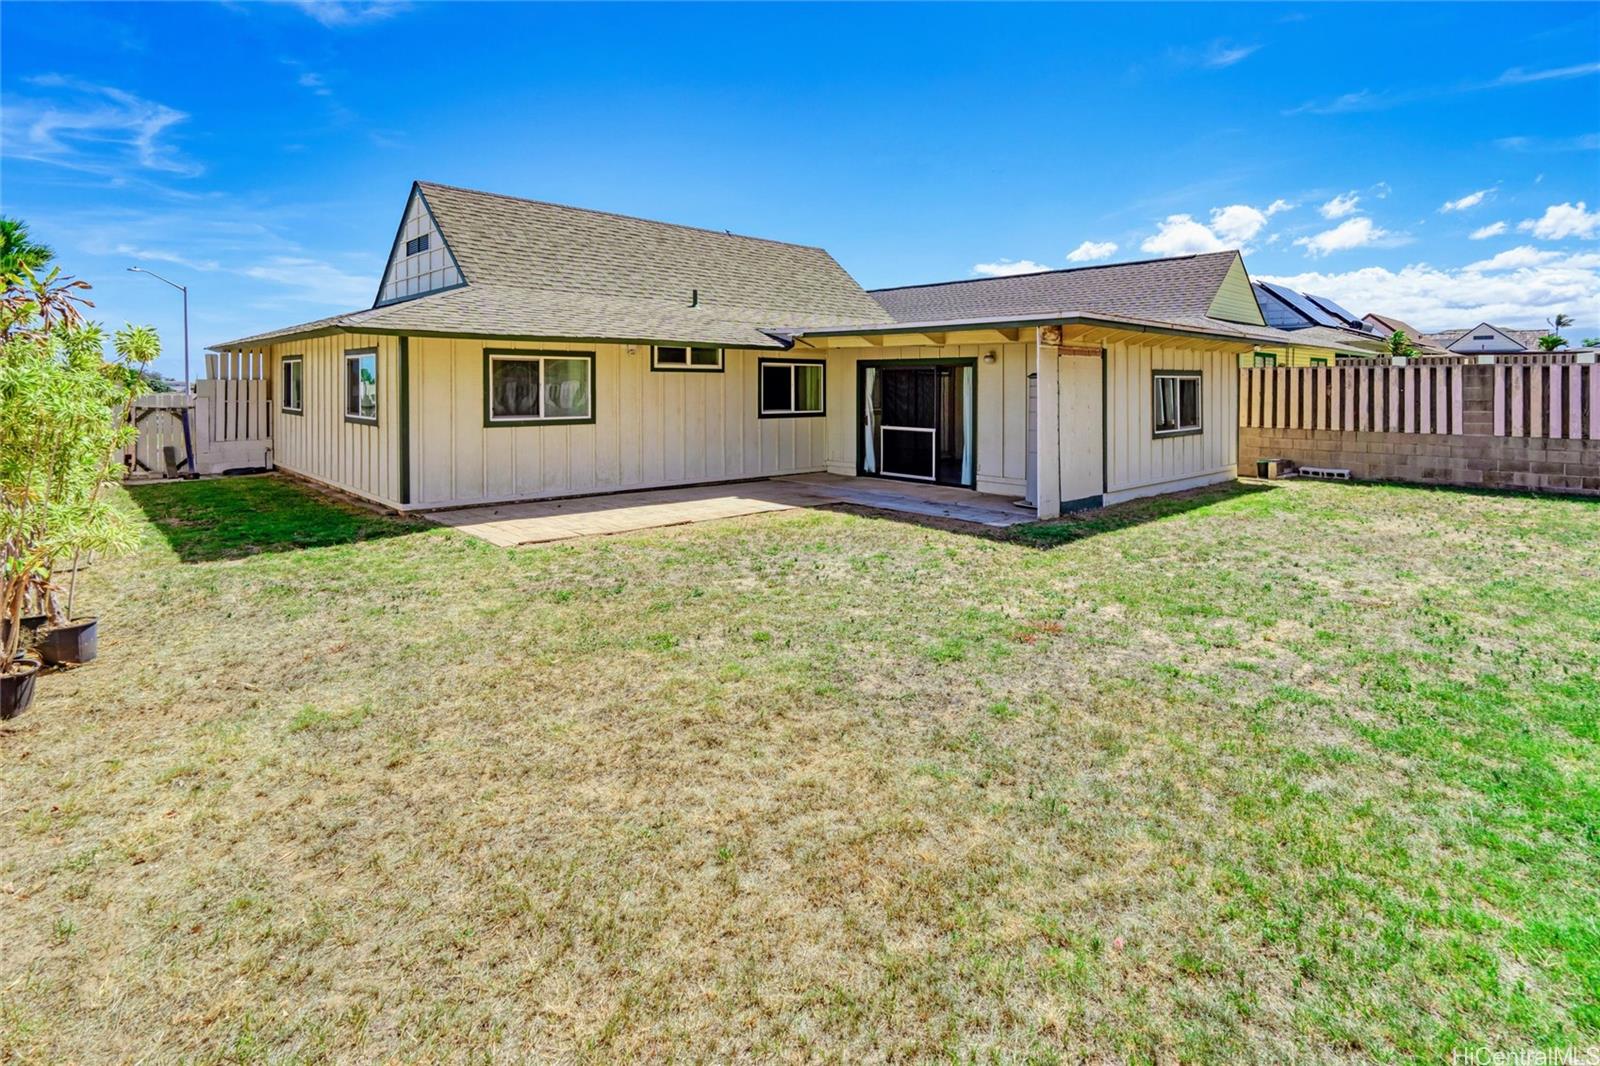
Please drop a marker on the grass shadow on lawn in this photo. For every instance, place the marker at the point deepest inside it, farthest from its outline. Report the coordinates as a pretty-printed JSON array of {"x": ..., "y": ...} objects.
[
  {"x": 231, "y": 518},
  {"x": 1071, "y": 528}
]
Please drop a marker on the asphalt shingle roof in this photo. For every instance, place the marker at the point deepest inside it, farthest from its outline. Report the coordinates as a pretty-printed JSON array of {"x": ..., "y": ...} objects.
[
  {"x": 1172, "y": 290},
  {"x": 536, "y": 269}
]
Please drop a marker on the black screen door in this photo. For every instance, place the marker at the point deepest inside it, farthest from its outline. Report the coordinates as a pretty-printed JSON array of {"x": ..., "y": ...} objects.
[{"x": 916, "y": 422}]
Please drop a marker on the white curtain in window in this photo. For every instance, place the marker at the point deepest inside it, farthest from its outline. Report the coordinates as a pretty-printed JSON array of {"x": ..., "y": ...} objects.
[
  {"x": 869, "y": 455},
  {"x": 969, "y": 423}
]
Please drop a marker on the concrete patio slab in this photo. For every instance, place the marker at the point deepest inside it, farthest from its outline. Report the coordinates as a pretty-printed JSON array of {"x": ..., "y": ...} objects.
[{"x": 542, "y": 521}]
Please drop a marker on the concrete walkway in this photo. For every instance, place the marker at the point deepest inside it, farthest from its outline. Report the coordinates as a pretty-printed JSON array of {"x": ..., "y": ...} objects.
[{"x": 536, "y": 522}]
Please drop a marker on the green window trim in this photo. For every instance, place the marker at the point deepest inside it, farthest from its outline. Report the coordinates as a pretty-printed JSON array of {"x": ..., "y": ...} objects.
[
  {"x": 1180, "y": 429},
  {"x": 361, "y": 419},
  {"x": 1268, "y": 359},
  {"x": 299, "y": 363},
  {"x": 541, "y": 355},
  {"x": 1319, "y": 360},
  {"x": 762, "y": 411},
  {"x": 690, "y": 353}
]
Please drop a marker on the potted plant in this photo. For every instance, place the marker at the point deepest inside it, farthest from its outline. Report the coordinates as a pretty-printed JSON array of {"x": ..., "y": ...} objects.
[
  {"x": 84, "y": 462},
  {"x": 63, "y": 414}
]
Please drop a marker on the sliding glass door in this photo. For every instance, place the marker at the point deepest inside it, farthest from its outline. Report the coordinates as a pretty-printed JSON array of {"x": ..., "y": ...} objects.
[{"x": 918, "y": 421}]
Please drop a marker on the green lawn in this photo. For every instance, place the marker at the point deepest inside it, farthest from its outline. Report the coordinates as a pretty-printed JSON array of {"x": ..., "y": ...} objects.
[{"x": 1306, "y": 771}]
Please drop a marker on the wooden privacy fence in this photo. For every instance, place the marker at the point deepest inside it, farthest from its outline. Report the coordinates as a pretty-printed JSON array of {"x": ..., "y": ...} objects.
[
  {"x": 1547, "y": 401},
  {"x": 230, "y": 422},
  {"x": 1410, "y": 399},
  {"x": 1519, "y": 396}
]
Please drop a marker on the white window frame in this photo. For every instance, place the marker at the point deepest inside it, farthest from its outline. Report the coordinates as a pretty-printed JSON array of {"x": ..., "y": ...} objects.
[
  {"x": 377, "y": 380},
  {"x": 299, "y": 362},
  {"x": 1179, "y": 376},
  {"x": 688, "y": 354},
  {"x": 494, "y": 355},
  {"x": 762, "y": 366}
]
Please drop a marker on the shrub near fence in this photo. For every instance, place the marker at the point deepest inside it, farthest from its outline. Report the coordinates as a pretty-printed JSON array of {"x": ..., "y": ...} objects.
[{"x": 1528, "y": 422}]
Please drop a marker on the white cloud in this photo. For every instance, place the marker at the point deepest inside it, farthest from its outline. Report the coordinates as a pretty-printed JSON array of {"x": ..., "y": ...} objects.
[
  {"x": 338, "y": 14},
  {"x": 1233, "y": 226},
  {"x": 323, "y": 281},
  {"x": 1512, "y": 258},
  {"x": 1560, "y": 221},
  {"x": 1182, "y": 235},
  {"x": 1472, "y": 199},
  {"x": 1434, "y": 299},
  {"x": 1339, "y": 206},
  {"x": 1493, "y": 229},
  {"x": 1583, "y": 142},
  {"x": 1351, "y": 233},
  {"x": 140, "y": 254},
  {"x": 1366, "y": 100},
  {"x": 1090, "y": 251},
  {"x": 1007, "y": 267},
  {"x": 1518, "y": 76},
  {"x": 99, "y": 129},
  {"x": 1237, "y": 223},
  {"x": 1221, "y": 54}
]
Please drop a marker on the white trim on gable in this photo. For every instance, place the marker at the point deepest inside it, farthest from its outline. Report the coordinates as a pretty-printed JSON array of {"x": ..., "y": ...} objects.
[
  {"x": 431, "y": 267},
  {"x": 1486, "y": 338}
]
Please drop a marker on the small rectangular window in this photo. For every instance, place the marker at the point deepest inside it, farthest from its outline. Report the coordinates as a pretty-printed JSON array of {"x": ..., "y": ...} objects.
[
  {"x": 1176, "y": 395},
  {"x": 1266, "y": 359},
  {"x": 361, "y": 385},
  {"x": 1483, "y": 336},
  {"x": 293, "y": 384},
  {"x": 791, "y": 388},
  {"x": 417, "y": 244},
  {"x": 685, "y": 357},
  {"x": 1319, "y": 360},
  {"x": 528, "y": 388}
]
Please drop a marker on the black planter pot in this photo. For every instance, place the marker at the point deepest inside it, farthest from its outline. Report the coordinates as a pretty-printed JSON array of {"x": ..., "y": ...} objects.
[
  {"x": 16, "y": 689},
  {"x": 32, "y": 623},
  {"x": 68, "y": 645}
]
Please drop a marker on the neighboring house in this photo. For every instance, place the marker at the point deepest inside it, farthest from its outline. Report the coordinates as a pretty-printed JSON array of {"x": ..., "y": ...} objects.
[
  {"x": 1387, "y": 326},
  {"x": 1485, "y": 339},
  {"x": 521, "y": 350},
  {"x": 1320, "y": 329}
]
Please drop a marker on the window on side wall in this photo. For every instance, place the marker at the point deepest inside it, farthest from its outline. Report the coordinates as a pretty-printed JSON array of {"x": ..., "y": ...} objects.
[
  {"x": 1266, "y": 359},
  {"x": 538, "y": 388},
  {"x": 1177, "y": 402},
  {"x": 1319, "y": 360},
  {"x": 361, "y": 385},
  {"x": 685, "y": 357},
  {"x": 293, "y": 374},
  {"x": 791, "y": 389}
]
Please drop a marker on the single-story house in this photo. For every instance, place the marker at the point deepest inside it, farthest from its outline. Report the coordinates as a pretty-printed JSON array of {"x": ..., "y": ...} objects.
[
  {"x": 522, "y": 350},
  {"x": 1320, "y": 330},
  {"x": 1387, "y": 326},
  {"x": 1486, "y": 339}
]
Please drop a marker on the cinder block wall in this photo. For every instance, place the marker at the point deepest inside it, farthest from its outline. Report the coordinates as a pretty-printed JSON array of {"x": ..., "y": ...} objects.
[{"x": 1475, "y": 457}]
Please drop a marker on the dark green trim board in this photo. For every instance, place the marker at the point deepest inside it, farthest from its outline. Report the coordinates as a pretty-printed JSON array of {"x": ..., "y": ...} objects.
[
  {"x": 490, "y": 354},
  {"x": 405, "y": 420},
  {"x": 344, "y": 386},
  {"x": 861, "y": 429},
  {"x": 1082, "y": 503},
  {"x": 1199, "y": 403},
  {"x": 760, "y": 402}
]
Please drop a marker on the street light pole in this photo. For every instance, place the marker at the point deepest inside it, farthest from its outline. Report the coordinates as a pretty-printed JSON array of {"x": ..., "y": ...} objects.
[{"x": 185, "y": 290}]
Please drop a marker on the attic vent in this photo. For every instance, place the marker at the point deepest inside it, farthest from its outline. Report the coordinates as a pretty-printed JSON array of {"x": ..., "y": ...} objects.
[
  {"x": 1483, "y": 336},
  {"x": 417, "y": 244}
]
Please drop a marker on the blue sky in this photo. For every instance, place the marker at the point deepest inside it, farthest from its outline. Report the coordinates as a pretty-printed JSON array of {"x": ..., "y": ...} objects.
[{"x": 1440, "y": 163}]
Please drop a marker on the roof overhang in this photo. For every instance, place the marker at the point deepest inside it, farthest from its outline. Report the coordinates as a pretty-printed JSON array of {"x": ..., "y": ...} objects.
[{"x": 1085, "y": 325}]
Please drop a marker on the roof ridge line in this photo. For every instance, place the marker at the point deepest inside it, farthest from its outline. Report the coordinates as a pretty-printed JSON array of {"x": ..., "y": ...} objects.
[
  {"x": 1056, "y": 270},
  {"x": 618, "y": 214}
]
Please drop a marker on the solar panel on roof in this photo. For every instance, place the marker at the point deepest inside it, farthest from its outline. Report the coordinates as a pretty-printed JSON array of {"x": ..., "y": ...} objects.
[
  {"x": 1316, "y": 314},
  {"x": 1334, "y": 309},
  {"x": 1279, "y": 314}
]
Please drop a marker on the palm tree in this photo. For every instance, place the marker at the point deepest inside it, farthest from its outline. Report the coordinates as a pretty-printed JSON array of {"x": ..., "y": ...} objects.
[
  {"x": 18, "y": 249},
  {"x": 1559, "y": 322}
]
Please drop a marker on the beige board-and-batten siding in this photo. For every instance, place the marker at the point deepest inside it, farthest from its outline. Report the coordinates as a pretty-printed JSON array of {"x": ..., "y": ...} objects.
[
  {"x": 318, "y": 443},
  {"x": 1138, "y": 463},
  {"x": 652, "y": 428}
]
